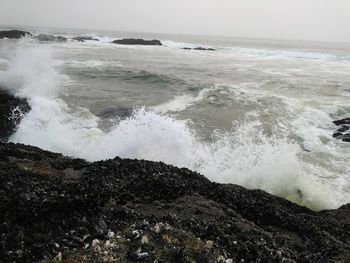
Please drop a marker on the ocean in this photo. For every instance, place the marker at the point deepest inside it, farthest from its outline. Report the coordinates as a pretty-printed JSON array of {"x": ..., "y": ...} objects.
[{"x": 256, "y": 113}]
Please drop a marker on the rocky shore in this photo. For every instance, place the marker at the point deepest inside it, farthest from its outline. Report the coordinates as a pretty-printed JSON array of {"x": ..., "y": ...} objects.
[
  {"x": 120, "y": 210},
  {"x": 59, "y": 209},
  {"x": 11, "y": 112}
]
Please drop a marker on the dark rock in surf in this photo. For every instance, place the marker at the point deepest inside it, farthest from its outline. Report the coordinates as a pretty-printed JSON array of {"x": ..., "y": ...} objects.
[
  {"x": 346, "y": 137},
  {"x": 119, "y": 113},
  {"x": 14, "y": 34},
  {"x": 83, "y": 39},
  {"x": 337, "y": 135},
  {"x": 345, "y": 121},
  {"x": 344, "y": 128},
  {"x": 203, "y": 48},
  {"x": 55, "y": 207},
  {"x": 49, "y": 38},
  {"x": 199, "y": 48},
  {"x": 134, "y": 41},
  {"x": 11, "y": 111}
]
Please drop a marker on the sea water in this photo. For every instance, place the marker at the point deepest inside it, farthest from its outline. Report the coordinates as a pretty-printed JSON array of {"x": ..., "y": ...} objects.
[{"x": 257, "y": 113}]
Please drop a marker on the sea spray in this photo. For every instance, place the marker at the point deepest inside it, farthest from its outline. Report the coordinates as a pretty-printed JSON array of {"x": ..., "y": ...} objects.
[{"x": 244, "y": 155}]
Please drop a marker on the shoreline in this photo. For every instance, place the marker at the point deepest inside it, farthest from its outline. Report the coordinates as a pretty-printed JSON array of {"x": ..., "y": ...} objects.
[{"x": 59, "y": 208}]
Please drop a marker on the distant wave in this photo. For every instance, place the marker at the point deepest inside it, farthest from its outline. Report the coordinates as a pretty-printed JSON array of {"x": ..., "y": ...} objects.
[{"x": 235, "y": 50}]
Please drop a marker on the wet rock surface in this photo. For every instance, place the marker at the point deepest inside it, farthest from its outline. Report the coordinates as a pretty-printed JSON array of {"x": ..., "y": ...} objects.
[
  {"x": 134, "y": 41},
  {"x": 343, "y": 132},
  {"x": 11, "y": 111},
  {"x": 54, "y": 207},
  {"x": 14, "y": 34}
]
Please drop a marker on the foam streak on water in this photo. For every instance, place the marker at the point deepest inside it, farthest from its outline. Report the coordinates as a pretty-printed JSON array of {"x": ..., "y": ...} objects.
[{"x": 243, "y": 155}]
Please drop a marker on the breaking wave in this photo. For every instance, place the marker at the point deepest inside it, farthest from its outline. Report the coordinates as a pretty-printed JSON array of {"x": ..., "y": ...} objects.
[{"x": 243, "y": 156}]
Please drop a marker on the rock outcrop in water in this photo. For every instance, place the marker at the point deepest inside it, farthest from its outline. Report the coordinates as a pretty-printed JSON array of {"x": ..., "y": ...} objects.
[
  {"x": 199, "y": 48},
  {"x": 54, "y": 208},
  {"x": 83, "y": 39},
  {"x": 11, "y": 112},
  {"x": 343, "y": 132},
  {"x": 14, "y": 34},
  {"x": 134, "y": 41},
  {"x": 44, "y": 37}
]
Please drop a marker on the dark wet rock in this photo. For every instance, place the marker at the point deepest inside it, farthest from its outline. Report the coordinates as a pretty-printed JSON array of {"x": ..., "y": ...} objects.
[
  {"x": 83, "y": 39},
  {"x": 12, "y": 110},
  {"x": 344, "y": 128},
  {"x": 337, "y": 135},
  {"x": 203, "y": 48},
  {"x": 44, "y": 37},
  {"x": 150, "y": 211},
  {"x": 14, "y": 34},
  {"x": 199, "y": 48},
  {"x": 343, "y": 132},
  {"x": 134, "y": 41},
  {"x": 342, "y": 122},
  {"x": 346, "y": 137}
]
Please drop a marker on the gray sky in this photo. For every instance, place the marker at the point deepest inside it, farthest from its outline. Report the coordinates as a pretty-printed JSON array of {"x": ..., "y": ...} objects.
[{"x": 325, "y": 20}]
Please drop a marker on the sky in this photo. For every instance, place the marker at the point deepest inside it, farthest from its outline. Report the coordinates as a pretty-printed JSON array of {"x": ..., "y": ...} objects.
[{"x": 315, "y": 20}]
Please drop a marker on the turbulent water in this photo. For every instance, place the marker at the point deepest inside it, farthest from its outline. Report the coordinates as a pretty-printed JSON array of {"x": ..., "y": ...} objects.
[{"x": 256, "y": 113}]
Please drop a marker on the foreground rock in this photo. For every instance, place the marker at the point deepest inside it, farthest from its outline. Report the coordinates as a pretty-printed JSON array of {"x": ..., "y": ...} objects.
[
  {"x": 83, "y": 39},
  {"x": 11, "y": 112},
  {"x": 343, "y": 132},
  {"x": 43, "y": 37},
  {"x": 133, "y": 41},
  {"x": 54, "y": 207},
  {"x": 14, "y": 34}
]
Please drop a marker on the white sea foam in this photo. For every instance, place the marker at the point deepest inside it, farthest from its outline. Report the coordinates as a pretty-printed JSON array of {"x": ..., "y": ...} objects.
[
  {"x": 287, "y": 54},
  {"x": 180, "y": 103},
  {"x": 89, "y": 63},
  {"x": 257, "y": 52},
  {"x": 244, "y": 155}
]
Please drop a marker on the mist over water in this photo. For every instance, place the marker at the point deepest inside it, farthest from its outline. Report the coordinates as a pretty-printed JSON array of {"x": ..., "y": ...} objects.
[{"x": 253, "y": 116}]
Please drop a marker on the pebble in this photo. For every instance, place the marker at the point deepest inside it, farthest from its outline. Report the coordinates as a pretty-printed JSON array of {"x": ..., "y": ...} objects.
[
  {"x": 209, "y": 244},
  {"x": 58, "y": 256},
  {"x": 144, "y": 239},
  {"x": 142, "y": 255},
  {"x": 110, "y": 234},
  {"x": 96, "y": 245}
]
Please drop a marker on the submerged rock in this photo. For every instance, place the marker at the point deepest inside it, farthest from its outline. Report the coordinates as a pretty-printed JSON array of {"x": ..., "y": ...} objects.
[
  {"x": 44, "y": 37},
  {"x": 83, "y": 39},
  {"x": 199, "y": 48},
  {"x": 119, "y": 113},
  {"x": 134, "y": 41},
  {"x": 44, "y": 212},
  {"x": 14, "y": 34},
  {"x": 12, "y": 110}
]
